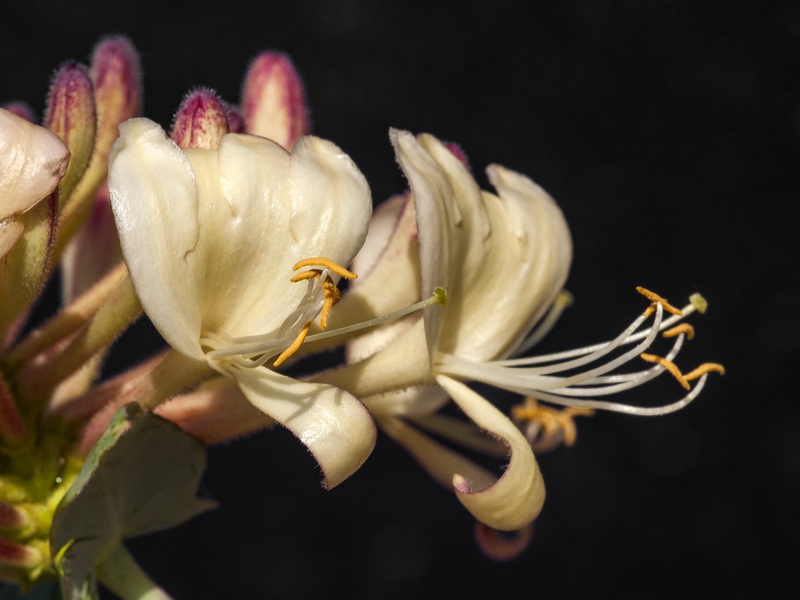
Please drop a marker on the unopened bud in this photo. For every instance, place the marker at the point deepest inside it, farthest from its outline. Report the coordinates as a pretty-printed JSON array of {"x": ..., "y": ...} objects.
[
  {"x": 200, "y": 121},
  {"x": 116, "y": 74},
  {"x": 235, "y": 118},
  {"x": 21, "y": 109},
  {"x": 273, "y": 99},
  {"x": 70, "y": 114}
]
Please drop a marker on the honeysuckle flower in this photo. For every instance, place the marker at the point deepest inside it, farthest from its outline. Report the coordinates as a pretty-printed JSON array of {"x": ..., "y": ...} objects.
[
  {"x": 212, "y": 239},
  {"x": 503, "y": 260}
]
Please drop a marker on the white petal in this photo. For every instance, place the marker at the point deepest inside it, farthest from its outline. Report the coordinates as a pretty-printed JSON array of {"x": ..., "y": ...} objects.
[
  {"x": 155, "y": 202},
  {"x": 330, "y": 201},
  {"x": 516, "y": 498},
  {"x": 332, "y": 423},
  {"x": 245, "y": 253},
  {"x": 33, "y": 162}
]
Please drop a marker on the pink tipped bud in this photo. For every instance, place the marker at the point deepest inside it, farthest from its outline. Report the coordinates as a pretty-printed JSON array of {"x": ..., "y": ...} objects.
[
  {"x": 235, "y": 118},
  {"x": 201, "y": 121},
  {"x": 116, "y": 74},
  {"x": 70, "y": 114},
  {"x": 21, "y": 109},
  {"x": 273, "y": 99}
]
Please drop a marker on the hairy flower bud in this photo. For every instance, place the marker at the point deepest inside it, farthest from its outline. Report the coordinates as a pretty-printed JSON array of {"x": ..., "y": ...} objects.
[
  {"x": 71, "y": 115},
  {"x": 201, "y": 121},
  {"x": 116, "y": 74},
  {"x": 273, "y": 99},
  {"x": 21, "y": 109}
]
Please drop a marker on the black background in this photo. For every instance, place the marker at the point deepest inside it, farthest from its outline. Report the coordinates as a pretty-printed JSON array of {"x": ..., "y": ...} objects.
[{"x": 668, "y": 131}]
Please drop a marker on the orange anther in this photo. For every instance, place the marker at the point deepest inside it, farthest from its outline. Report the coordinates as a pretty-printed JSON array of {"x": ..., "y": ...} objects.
[
  {"x": 703, "y": 369},
  {"x": 319, "y": 261},
  {"x": 679, "y": 329},
  {"x": 298, "y": 341},
  {"x": 656, "y": 299},
  {"x": 668, "y": 365}
]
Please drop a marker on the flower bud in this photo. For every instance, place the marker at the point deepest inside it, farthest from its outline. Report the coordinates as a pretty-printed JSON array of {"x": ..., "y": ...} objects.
[
  {"x": 116, "y": 74},
  {"x": 200, "y": 121},
  {"x": 273, "y": 99},
  {"x": 70, "y": 114},
  {"x": 21, "y": 109},
  {"x": 235, "y": 118}
]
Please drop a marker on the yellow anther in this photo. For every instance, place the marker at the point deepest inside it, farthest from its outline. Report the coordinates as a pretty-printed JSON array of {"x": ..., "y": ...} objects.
[
  {"x": 332, "y": 295},
  {"x": 704, "y": 369},
  {"x": 298, "y": 341},
  {"x": 550, "y": 419},
  {"x": 656, "y": 299},
  {"x": 303, "y": 275},
  {"x": 668, "y": 365},
  {"x": 679, "y": 329},
  {"x": 326, "y": 263}
]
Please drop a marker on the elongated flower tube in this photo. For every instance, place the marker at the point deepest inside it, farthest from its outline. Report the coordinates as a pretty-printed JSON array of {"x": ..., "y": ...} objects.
[
  {"x": 503, "y": 260},
  {"x": 211, "y": 238}
]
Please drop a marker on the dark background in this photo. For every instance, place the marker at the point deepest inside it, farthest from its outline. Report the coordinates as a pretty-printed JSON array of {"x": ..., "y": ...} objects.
[{"x": 668, "y": 131}]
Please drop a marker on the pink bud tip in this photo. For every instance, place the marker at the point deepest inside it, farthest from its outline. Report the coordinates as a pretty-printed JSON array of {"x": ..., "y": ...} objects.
[
  {"x": 235, "y": 118},
  {"x": 201, "y": 120},
  {"x": 117, "y": 75},
  {"x": 273, "y": 99},
  {"x": 21, "y": 109},
  {"x": 70, "y": 101}
]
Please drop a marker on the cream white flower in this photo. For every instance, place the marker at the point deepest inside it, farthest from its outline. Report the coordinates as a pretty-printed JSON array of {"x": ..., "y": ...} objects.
[
  {"x": 211, "y": 238},
  {"x": 33, "y": 162},
  {"x": 503, "y": 260}
]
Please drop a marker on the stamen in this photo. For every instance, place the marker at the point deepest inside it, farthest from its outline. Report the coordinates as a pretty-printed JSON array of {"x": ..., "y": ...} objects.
[
  {"x": 332, "y": 295},
  {"x": 303, "y": 275},
  {"x": 704, "y": 369},
  {"x": 547, "y": 427},
  {"x": 668, "y": 365},
  {"x": 656, "y": 299},
  {"x": 684, "y": 328},
  {"x": 298, "y": 341},
  {"x": 439, "y": 296},
  {"x": 320, "y": 261}
]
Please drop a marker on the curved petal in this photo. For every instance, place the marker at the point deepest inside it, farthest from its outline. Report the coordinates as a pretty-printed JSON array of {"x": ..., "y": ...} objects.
[
  {"x": 332, "y": 423},
  {"x": 516, "y": 498},
  {"x": 155, "y": 201},
  {"x": 33, "y": 162},
  {"x": 245, "y": 254},
  {"x": 331, "y": 203}
]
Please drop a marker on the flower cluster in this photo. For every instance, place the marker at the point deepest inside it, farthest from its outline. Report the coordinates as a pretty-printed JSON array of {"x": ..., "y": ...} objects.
[{"x": 232, "y": 233}]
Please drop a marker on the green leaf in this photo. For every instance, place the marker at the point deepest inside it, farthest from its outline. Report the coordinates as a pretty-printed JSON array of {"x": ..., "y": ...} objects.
[{"x": 140, "y": 477}]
